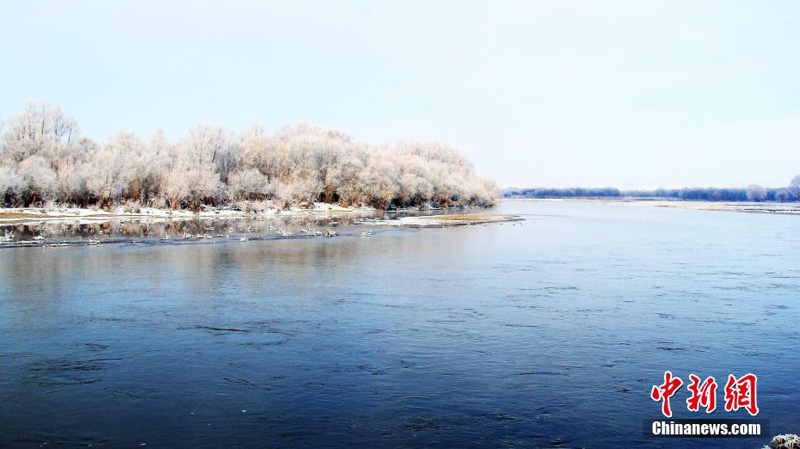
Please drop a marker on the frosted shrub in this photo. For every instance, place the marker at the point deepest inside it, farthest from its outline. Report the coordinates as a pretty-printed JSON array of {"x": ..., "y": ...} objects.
[
  {"x": 12, "y": 185},
  {"x": 132, "y": 207},
  {"x": 248, "y": 184},
  {"x": 73, "y": 183},
  {"x": 41, "y": 179},
  {"x": 159, "y": 202},
  {"x": 191, "y": 186}
]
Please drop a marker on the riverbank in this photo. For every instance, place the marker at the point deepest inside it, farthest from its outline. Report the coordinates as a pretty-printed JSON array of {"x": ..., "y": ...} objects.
[
  {"x": 752, "y": 208},
  {"x": 10, "y": 216},
  {"x": 63, "y": 227},
  {"x": 712, "y": 206}
]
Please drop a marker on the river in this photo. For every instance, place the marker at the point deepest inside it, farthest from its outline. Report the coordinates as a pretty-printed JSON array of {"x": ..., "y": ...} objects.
[{"x": 545, "y": 332}]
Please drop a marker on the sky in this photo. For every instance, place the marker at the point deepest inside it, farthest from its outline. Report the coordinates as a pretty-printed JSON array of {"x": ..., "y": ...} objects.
[{"x": 633, "y": 94}]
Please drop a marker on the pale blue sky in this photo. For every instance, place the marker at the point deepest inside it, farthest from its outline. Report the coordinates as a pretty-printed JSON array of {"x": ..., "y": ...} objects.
[{"x": 547, "y": 93}]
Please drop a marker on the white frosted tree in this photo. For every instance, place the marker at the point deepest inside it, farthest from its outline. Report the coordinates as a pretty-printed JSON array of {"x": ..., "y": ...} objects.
[
  {"x": 146, "y": 166},
  {"x": 43, "y": 158},
  {"x": 794, "y": 188},
  {"x": 267, "y": 153},
  {"x": 248, "y": 184},
  {"x": 756, "y": 193},
  {"x": 212, "y": 144},
  {"x": 40, "y": 178},
  {"x": 12, "y": 185},
  {"x": 110, "y": 169},
  {"x": 344, "y": 178},
  {"x": 39, "y": 130},
  {"x": 380, "y": 187},
  {"x": 73, "y": 180}
]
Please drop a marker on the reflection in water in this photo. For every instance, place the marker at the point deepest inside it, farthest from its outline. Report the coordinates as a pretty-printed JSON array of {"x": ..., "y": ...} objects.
[
  {"x": 548, "y": 333},
  {"x": 82, "y": 231},
  {"x": 76, "y": 232}
]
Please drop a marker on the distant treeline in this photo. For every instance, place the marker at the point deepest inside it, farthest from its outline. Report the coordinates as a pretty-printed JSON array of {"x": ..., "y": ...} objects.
[
  {"x": 750, "y": 193},
  {"x": 44, "y": 159}
]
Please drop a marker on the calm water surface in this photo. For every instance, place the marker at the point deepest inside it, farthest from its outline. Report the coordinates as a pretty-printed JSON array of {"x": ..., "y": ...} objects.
[{"x": 548, "y": 333}]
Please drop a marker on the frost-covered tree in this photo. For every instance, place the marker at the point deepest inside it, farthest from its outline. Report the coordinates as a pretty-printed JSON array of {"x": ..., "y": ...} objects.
[
  {"x": 109, "y": 169},
  {"x": 248, "y": 184},
  {"x": 378, "y": 180},
  {"x": 42, "y": 158},
  {"x": 73, "y": 180},
  {"x": 212, "y": 145},
  {"x": 146, "y": 166},
  {"x": 344, "y": 178},
  {"x": 39, "y": 130},
  {"x": 756, "y": 193},
  {"x": 268, "y": 154},
  {"x": 794, "y": 188},
  {"x": 40, "y": 178},
  {"x": 12, "y": 186},
  {"x": 191, "y": 185}
]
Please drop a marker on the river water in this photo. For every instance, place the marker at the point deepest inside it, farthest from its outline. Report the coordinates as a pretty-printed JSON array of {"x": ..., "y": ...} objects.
[{"x": 549, "y": 332}]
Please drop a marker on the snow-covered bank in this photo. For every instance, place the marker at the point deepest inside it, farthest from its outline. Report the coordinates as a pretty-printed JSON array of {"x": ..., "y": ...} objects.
[
  {"x": 438, "y": 221},
  {"x": 89, "y": 216},
  {"x": 63, "y": 227}
]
